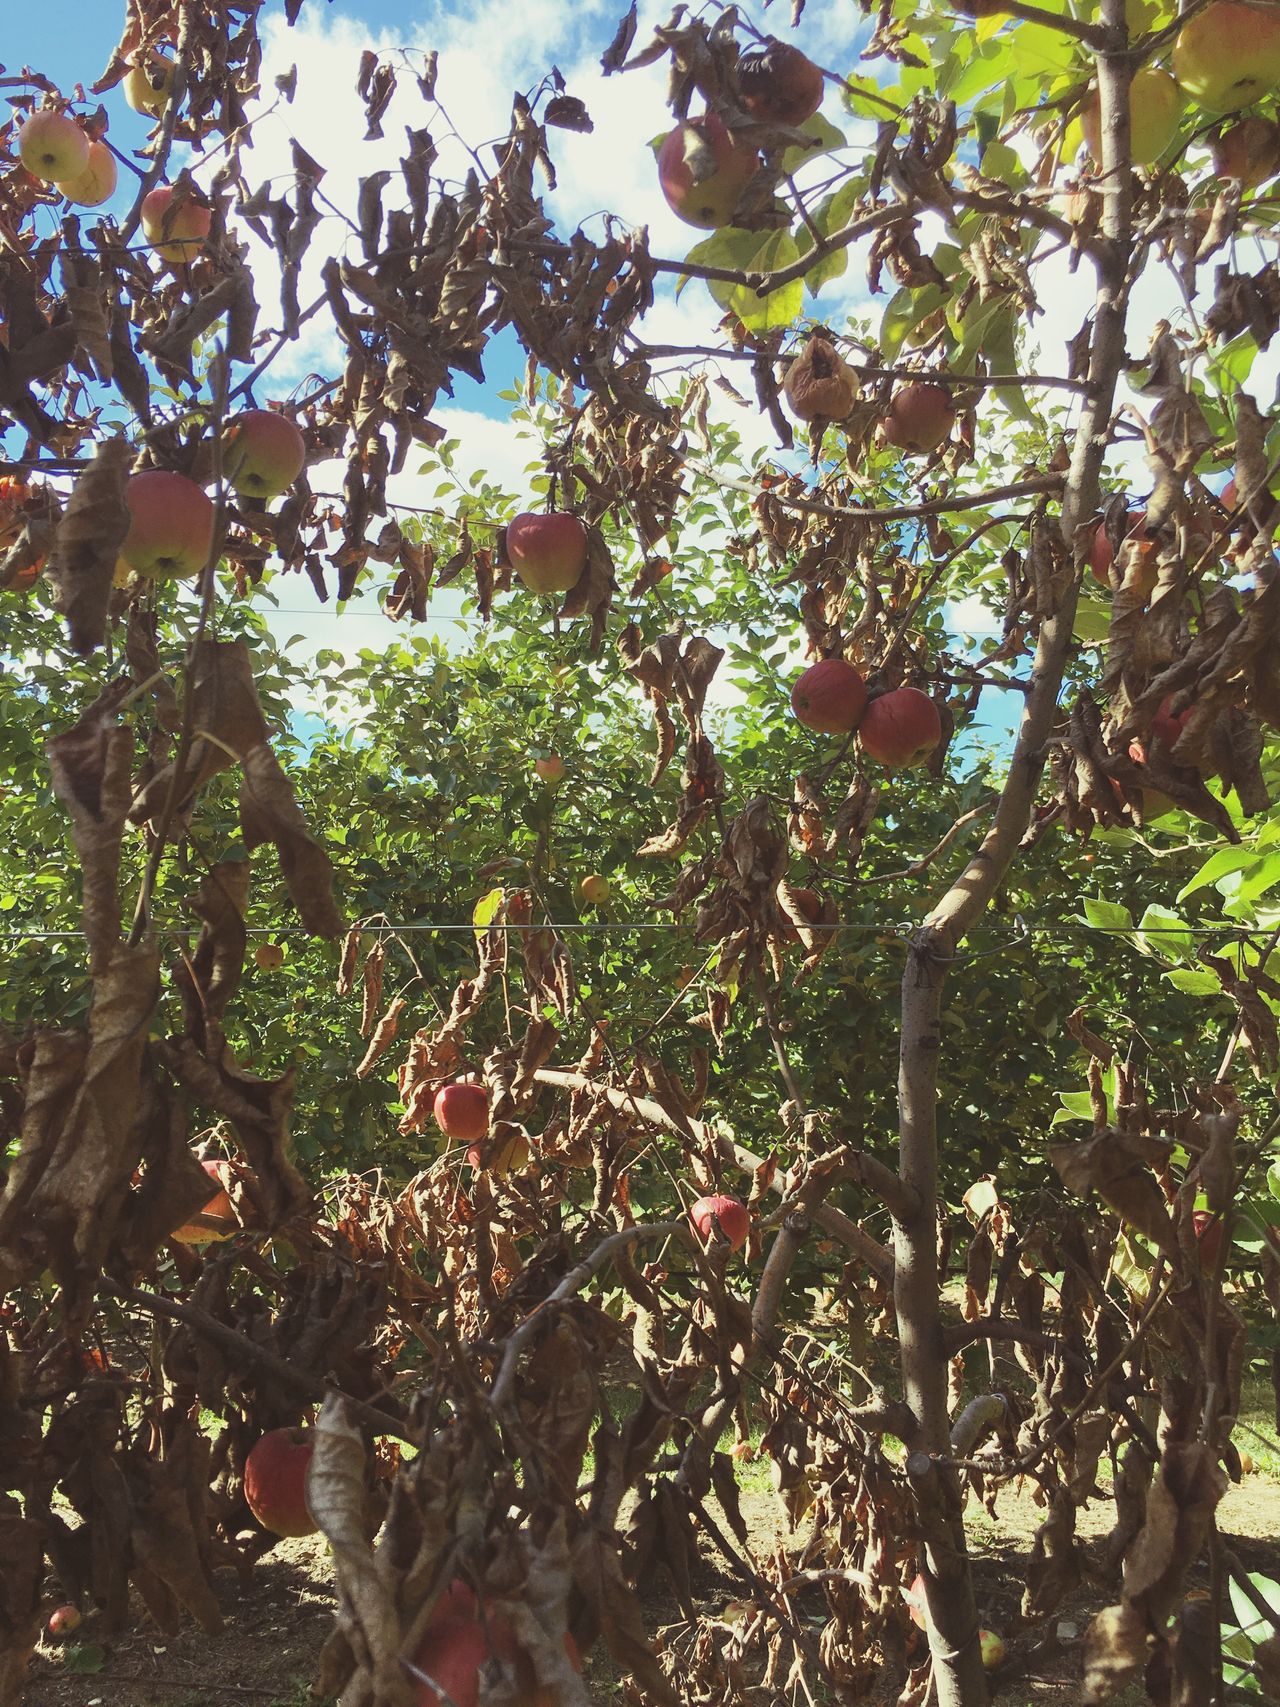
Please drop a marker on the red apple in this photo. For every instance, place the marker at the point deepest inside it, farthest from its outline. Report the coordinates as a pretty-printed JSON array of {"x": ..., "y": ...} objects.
[
  {"x": 991, "y": 1642},
  {"x": 703, "y": 171},
  {"x": 594, "y": 890},
  {"x": 462, "y": 1112},
  {"x": 275, "y": 1481},
  {"x": 1154, "y": 110},
  {"x": 726, "y": 1213},
  {"x": 219, "y": 1206},
  {"x": 148, "y": 85},
  {"x": 550, "y": 768},
  {"x": 779, "y": 84},
  {"x": 1230, "y": 494},
  {"x": 917, "y": 1603},
  {"x": 263, "y": 454},
  {"x": 512, "y": 1156},
  {"x": 64, "y": 1619},
  {"x": 52, "y": 146},
  {"x": 175, "y": 226},
  {"x": 1249, "y": 151},
  {"x": 170, "y": 525},
  {"x": 1101, "y": 555},
  {"x": 97, "y": 183},
  {"x": 547, "y": 550},
  {"x": 1228, "y": 56},
  {"x": 920, "y": 417},
  {"x": 456, "y": 1643},
  {"x": 269, "y": 956},
  {"x": 1209, "y": 1234},
  {"x": 1166, "y": 726},
  {"x": 829, "y": 696},
  {"x": 900, "y": 728}
]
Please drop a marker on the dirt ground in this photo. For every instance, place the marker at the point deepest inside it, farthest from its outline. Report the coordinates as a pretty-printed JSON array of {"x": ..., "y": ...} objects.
[{"x": 276, "y": 1625}]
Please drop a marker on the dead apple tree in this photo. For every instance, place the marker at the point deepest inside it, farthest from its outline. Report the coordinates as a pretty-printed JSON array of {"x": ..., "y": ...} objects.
[{"x": 939, "y": 423}]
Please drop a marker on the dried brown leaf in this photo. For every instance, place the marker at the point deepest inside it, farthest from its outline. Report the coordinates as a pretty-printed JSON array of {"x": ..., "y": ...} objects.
[
  {"x": 87, "y": 545},
  {"x": 269, "y": 812}
]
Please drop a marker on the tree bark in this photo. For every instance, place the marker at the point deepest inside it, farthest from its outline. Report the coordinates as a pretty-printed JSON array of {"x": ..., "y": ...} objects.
[{"x": 952, "y": 1615}]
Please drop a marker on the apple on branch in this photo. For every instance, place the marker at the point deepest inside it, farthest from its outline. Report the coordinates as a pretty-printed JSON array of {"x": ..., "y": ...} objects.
[
  {"x": 1248, "y": 151},
  {"x": 550, "y": 768},
  {"x": 263, "y": 453},
  {"x": 594, "y": 889},
  {"x": 175, "y": 225},
  {"x": 462, "y": 1636},
  {"x": 97, "y": 183},
  {"x": 170, "y": 525},
  {"x": 829, "y": 696},
  {"x": 462, "y": 1112},
  {"x": 269, "y": 956},
  {"x": 900, "y": 728},
  {"x": 1155, "y": 107},
  {"x": 1228, "y": 56},
  {"x": 52, "y": 146},
  {"x": 1167, "y": 725},
  {"x": 779, "y": 84},
  {"x": 275, "y": 1481},
  {"x": 921, "y": 416},
  {"x": 548, "y": 550},
  {"x": 148, "y": 84},
  {"x": 703, "y": 170},
  {"x": 1102, "y": 554},
  {"x": 724, "y": 1213}
]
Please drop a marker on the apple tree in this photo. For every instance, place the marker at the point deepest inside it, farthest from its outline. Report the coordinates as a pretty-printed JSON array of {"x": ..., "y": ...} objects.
[{"x": 1058, "y": 346}]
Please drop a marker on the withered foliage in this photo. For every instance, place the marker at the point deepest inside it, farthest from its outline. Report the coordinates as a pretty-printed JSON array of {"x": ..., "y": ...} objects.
[{"x": 459, "y": 1313}]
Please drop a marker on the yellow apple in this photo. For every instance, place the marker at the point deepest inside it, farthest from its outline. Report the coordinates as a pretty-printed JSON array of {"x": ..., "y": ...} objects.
[
  {"x": 1154, "y": 111},
  {"x": 97, "y": 183},
  {"x": 149, "y": 84},
  {"x": 1228, "y": 56},
  {"x": 53, "y": 147}
]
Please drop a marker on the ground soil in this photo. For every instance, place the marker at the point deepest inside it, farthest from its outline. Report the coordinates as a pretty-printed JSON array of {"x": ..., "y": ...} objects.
[{"x": 278, "y": 1621}]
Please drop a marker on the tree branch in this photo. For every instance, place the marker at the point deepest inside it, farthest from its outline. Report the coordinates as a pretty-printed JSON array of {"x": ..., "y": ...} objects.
[
  {"x": 1037, "y": 485},
  {"x": 721, "y": 1141},
  {"x": 1091, "y": 34},
  {"x": 287, "y": 1374}
]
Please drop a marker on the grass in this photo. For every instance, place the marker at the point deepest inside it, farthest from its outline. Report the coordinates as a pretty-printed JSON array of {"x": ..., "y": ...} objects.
[{"x": 1256, "y": 1426}]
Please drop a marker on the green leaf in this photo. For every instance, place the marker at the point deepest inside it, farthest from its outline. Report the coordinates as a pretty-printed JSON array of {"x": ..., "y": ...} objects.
[
  {"x": 1001, "y": 161},
  {"x": 485, "y": 909},
  {"x": 1076, "y": 1105},
  {"x": 1263, "y": 876},
  {"x": 825, "y": 138},
  {"x": 1219, "y": 864},
  {"x": 1107, "y": 915},
  {"x": 1166, "y": 934},
  {"x": 1092, "y": 623},
  {"x": 1193, "y": 983},
  {"x": 751, "y": 251}
]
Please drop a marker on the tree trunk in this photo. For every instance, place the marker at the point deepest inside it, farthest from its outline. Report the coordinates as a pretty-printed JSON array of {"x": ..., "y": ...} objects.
[{"x": 1057, "y": 565}]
